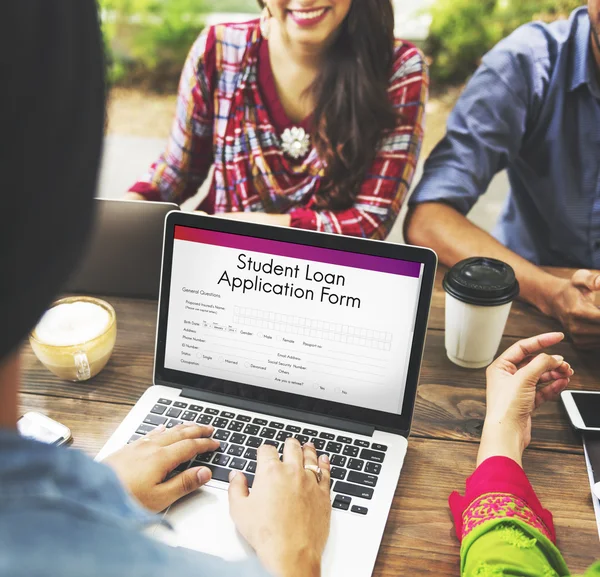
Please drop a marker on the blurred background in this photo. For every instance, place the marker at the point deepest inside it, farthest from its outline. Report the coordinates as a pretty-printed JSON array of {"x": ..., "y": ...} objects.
[{"x": 147, "y": 42}]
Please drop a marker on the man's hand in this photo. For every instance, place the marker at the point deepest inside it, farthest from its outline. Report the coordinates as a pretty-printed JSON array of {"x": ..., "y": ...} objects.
[
  {"x": 518, "y": 381},
  {"x": 286, "y": 517},
  {"x": 572, "y": 303},
  {"x": 454, "y": 238},
  {"x": 143, "y": 465}
]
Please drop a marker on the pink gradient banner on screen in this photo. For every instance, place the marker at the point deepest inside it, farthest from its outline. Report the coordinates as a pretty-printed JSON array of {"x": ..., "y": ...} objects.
[{"x": 291, "y": 250}]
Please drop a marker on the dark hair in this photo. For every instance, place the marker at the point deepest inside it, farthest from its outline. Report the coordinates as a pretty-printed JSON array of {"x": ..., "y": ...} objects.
[
  {"x": 352, "y": 109},
  {"x": 53, "y": 126}
]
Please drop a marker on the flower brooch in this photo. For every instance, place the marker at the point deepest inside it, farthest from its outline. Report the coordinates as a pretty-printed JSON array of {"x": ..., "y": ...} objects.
[{"x": 295, "y": 142}]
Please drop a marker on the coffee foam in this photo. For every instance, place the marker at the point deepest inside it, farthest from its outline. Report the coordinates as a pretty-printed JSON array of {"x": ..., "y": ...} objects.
[{"x": 72, "y": 324}]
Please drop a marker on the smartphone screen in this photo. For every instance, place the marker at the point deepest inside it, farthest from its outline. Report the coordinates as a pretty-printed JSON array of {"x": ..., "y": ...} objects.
[
  {"x": 41, "y": 428},
  {"x": 589, "y": 408}
]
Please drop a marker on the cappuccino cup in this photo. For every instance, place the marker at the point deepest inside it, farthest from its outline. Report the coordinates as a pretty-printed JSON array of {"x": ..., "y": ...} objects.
[
  {"x": 479, "y": 296},
  {"x": 75, "y": 337}
]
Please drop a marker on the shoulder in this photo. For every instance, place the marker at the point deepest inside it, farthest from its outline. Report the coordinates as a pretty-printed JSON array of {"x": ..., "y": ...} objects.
[
  {"x": 408, "y": 61},
  {"x": 224, "y": 42},
  {"x": 533, "y": 50},
  {"x": 231, "y": 42},
  {"x": 409, "y": 78}
]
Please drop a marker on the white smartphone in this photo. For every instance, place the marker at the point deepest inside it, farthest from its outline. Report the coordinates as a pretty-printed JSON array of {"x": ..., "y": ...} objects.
[
  {"x": 583, "y": 408},
  {"x": 44, "y": 429}
]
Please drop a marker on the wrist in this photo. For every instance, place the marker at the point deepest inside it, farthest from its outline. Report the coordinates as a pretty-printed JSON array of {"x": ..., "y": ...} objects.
[
  {"x": 134, "y": 196},
  {"x": 545, "y": 292},
  {"x": 501, "y": 439},
  {"x": 296, "y": 563}
]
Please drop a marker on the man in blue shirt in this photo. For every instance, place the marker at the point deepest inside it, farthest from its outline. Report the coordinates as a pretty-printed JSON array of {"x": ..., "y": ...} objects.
[
  {"x": 532, "y": 107},
  {"x": 62, "y": 514}
]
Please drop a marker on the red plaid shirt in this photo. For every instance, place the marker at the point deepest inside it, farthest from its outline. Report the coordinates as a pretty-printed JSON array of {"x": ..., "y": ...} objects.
[{"x": 228, "y": 114}]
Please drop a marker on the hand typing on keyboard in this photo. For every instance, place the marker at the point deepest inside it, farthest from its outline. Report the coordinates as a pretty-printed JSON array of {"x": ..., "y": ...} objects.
[
  {"x": 286, "y": 517},
  {"x": 143, "y": 465}
]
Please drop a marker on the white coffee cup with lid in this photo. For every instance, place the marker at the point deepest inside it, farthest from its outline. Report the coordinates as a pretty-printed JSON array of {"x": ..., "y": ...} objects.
[{"x": 479, "y": 296}]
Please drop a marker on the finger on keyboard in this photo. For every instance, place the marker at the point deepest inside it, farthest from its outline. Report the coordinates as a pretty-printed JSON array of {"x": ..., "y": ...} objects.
[
  {"x": 187, "y": 449},
  {"x": 157, "y": 431},
  {"x": 310, "y": 456},
  {"x": 292, "y": 453},
  {"x": 325, "y": 471},
  {"x": 182, "y": 432},
  {"x": 266, "y": 456}
]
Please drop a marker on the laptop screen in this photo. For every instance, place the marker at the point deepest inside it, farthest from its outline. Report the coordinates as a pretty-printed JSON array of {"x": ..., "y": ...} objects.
[{"x": 312, "y": 321}]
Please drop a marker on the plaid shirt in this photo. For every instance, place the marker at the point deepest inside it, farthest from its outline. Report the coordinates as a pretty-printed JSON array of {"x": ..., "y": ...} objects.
[{"x": 223, "y": 118}]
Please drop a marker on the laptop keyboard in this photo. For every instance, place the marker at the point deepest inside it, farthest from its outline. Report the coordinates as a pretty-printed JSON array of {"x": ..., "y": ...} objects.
[{"x": 355, "y": 463}]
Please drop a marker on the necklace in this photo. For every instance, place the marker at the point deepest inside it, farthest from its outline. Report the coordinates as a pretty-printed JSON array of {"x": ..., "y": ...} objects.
[{"x": 295, "y": 142}]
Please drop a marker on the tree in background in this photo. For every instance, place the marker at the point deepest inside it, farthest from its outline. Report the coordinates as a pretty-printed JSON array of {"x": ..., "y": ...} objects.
[
  {"x": 147, "y": 41},
  {"x": 462, "y": 31}
]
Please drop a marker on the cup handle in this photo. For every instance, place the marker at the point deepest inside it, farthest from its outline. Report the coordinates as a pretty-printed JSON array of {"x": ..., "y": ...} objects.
[{"x": 82, "y": 365}]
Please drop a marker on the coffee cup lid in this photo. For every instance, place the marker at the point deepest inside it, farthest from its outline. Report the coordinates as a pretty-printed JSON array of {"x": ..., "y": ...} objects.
[{"x": 482, "y": 281}]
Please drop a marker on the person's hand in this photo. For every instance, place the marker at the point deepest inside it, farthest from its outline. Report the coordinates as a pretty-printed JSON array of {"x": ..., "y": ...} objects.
[
  {"x": 286, "y": 517},
  {"x": 518, "y": 381},
  {"x": 572, "y": 303},
  {"x": 143, "y": 465},
  {"x": 133, "y": 196},
  {"x": 258, "y": 217}
]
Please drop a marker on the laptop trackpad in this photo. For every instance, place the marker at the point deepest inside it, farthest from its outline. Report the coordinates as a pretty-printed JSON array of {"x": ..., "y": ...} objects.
[{"x": 201, "y": 522}]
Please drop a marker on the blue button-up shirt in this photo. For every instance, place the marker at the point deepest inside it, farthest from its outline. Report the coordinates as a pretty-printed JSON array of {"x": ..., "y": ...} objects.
[
  {"x": 63, "y": 515},
  {"x": 532, "y": 107}
]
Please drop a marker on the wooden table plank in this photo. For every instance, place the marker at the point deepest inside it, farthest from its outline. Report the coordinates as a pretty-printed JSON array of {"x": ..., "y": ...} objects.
[
  {"x": 130, "y": 369},
  {"x": 419, "y": 534},
  {"x": 451, "y": 400},
  {"x": 450, "y": 403}
]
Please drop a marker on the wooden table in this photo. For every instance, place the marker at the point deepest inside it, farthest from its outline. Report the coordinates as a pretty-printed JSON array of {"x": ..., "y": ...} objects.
[{"x": 442, "y": 450}]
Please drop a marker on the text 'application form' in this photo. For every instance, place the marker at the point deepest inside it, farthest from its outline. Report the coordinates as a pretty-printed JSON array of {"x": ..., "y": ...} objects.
[{"x": 305, "y": 320}]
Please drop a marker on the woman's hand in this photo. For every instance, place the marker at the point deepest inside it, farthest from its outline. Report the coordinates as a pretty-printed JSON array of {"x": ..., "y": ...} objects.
[
  {"x": 143, "y": 465},
  {"x": 518, "y": 381},
  {"x": 258, "y": 217},
  {"x": 133, "y": 196},
  {"x": 286, "y": 517}
]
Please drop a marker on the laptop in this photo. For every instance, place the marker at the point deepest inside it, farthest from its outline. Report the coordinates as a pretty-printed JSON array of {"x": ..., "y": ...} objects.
[
  {"x": 269, "y": 332},
  {"x": 124, "y": 254}
]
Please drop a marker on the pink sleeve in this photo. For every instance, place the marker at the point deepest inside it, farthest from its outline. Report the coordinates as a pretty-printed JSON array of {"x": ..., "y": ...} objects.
[
  {"x": 183, "y": 167},
  {"x": 499, "y": 488}
]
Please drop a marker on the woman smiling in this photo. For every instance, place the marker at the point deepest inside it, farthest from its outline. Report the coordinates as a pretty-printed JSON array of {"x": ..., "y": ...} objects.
[{"x": 312, "y": 117}]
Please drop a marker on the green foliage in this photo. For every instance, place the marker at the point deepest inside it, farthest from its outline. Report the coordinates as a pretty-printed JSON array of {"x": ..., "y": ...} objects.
[
  {"x": 462, "y": 31},
  {"x": 148, "y": 40}
]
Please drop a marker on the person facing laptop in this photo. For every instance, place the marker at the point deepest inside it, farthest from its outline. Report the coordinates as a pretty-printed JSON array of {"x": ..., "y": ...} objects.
[{"x": 61, "y": 513}]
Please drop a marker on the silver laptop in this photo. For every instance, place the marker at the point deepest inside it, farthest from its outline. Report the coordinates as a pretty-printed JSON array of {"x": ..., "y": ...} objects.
[
  {"x": 124, "y": 254},
  {"x": 268, "y": 332}
]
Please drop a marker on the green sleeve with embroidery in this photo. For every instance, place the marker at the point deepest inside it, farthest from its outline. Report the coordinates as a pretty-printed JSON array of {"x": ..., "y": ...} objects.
[{"x": 510, "y": 547}]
